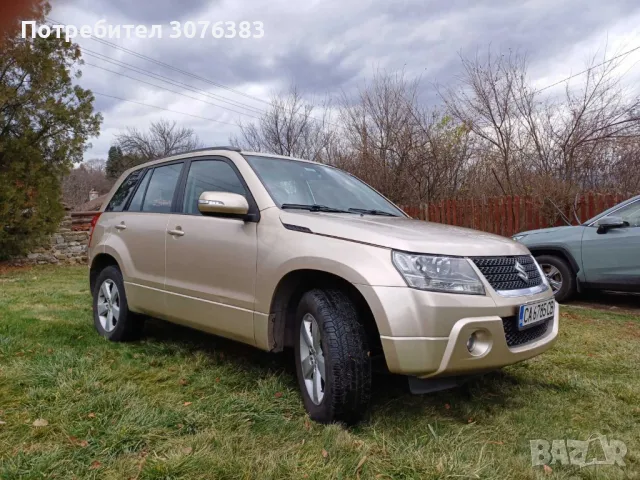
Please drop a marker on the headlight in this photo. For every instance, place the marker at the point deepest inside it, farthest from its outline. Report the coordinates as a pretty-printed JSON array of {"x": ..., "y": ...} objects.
[
  {"x": 517, "y": 237},
  {"x": 440, "y": 274}
]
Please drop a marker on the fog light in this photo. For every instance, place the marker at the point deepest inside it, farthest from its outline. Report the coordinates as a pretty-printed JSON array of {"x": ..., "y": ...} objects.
[
  {"x": 479, "y": 342},
  {"x": 471, "y": 343}
]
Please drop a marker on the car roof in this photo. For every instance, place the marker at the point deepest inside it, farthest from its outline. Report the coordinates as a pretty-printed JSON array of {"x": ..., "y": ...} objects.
[{"x": 213, "y": 151}]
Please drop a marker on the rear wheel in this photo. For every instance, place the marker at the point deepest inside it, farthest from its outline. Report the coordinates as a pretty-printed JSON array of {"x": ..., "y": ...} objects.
[
  {"x": 559, "y": 275},
  {"x": 111, "y": 315},
  {"x": 332, "y": 357}
]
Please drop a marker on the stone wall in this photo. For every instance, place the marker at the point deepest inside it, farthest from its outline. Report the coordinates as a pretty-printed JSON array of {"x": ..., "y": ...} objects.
[{"x": 67, "y": 246}]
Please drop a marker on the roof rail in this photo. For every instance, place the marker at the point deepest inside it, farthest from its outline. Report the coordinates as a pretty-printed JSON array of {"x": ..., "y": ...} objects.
[{"x": 224, "y": 147}]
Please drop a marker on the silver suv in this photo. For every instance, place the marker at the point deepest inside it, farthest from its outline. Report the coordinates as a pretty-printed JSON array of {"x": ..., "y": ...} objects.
[{"x": 279, "y": 252}]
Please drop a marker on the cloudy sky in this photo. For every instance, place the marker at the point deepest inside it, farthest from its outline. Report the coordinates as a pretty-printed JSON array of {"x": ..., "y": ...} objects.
[{"x": 325, "y": 47}]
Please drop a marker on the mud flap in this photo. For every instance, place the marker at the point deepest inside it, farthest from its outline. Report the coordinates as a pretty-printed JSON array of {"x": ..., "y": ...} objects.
[{"x": 420, "y": 386}]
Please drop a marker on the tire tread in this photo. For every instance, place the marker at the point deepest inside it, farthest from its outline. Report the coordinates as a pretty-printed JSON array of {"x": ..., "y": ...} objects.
[{"x": 345, "y": 342}]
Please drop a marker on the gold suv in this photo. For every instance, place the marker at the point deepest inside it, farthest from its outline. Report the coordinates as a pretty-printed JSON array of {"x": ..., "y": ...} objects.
[{"x": 279, "y": 252}]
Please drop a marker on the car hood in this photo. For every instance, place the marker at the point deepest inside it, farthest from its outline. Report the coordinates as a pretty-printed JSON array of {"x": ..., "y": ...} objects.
[
  {"x": 404, "y": 234},
  {"x": 563, "y": 229}
]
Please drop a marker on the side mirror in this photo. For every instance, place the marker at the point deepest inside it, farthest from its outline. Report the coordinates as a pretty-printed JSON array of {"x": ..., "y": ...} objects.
[
  {"x": 607, "y": 223},
  {"x": 223, "y": 203}
]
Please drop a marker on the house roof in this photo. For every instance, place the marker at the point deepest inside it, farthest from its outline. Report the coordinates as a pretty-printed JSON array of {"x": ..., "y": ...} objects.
[{"x": 92, "y": 205}]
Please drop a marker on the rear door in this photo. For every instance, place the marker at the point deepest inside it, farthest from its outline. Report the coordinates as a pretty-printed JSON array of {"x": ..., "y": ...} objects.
[
  {"x": 211, "y": 260},
  {"x": 612, "y": 259},
  {"x": 138, "y": 237}
]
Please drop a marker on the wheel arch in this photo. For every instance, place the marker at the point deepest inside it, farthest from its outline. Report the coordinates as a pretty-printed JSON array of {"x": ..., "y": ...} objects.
[
  {"x": 558, "y": 252},
  {"x": 290, "y": 290},
  {"x": 563, "y": 254},
  {"x": 99, "y": 263}
]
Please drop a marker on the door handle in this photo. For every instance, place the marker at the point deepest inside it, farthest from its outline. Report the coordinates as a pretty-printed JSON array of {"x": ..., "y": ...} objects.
[
  {"x": 122, "y": 226},
  {"x": 176, "y": 233}
]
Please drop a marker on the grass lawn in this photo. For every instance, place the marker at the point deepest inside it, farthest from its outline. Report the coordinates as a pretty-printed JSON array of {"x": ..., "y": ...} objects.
[{"x": 182, "y": 404}]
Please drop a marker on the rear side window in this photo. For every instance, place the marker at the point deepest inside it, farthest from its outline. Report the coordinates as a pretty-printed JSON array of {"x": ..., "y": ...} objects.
[
  {"x": 138, "y": 197},
  {"x": 119, "y": 198},
  {"x": 209, "y": 176},
  {"x": 162, "y": 186}
]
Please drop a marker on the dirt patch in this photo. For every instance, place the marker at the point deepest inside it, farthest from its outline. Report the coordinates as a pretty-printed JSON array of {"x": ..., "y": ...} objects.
[
  {"x": 6, "y": 268},
  {"x": 632, "y": 329}
]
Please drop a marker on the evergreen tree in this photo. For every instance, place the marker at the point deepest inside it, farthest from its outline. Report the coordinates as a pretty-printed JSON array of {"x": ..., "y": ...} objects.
[
  {"x": 45, "y": 122},
  {"x": 114, "y": 162}
]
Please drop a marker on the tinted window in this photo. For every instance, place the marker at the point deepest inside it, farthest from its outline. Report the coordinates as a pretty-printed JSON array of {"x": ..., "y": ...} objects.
[
  {"x": 161, "y": 188},
  {"x": 136, "y": 201},
  {"x": 209, "y": 176},
  {"x": 119, "y": 198}
]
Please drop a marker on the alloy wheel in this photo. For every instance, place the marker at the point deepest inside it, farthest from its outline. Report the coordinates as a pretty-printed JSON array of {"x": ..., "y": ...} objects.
[
  {"x": 312, "y": 358},
  {"x": 553, "y": 276},
  {"x": 108, "y": 305}
]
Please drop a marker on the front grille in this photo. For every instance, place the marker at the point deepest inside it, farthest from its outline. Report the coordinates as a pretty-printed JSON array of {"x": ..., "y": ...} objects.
[
  {"x": 501, "y": 272},
  {"x": 517, "y": 337}
]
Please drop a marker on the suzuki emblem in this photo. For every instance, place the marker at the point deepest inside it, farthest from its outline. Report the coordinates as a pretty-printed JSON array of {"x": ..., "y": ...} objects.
[{"x": 522, "y": 273}]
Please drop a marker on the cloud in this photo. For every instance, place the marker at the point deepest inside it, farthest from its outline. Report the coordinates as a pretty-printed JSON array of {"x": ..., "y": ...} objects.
[{"x": 328, "y": 46}]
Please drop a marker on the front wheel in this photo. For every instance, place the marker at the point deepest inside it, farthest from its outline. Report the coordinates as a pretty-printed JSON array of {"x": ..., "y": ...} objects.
[
  {"x": 559, "y": 275},
  {"x": 332, "y": 358}
]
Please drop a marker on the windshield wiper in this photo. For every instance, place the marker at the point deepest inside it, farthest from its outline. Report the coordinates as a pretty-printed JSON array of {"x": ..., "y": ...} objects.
[
  {"x": 373, "y": 212},
  {"x": 313, "y": 208}
]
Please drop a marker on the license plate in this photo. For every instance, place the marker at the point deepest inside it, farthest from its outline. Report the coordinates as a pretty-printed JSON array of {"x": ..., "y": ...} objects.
[{"x": 534, "y": 313}]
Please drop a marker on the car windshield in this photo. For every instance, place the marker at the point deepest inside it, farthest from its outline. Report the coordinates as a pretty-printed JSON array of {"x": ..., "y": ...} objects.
[{"x": 302, "y": 185}]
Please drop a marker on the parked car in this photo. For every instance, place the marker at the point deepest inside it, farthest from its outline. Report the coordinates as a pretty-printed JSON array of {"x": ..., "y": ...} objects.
[
  {"x": 278, "y": 252},
  {"x": 603, "y": 253}
]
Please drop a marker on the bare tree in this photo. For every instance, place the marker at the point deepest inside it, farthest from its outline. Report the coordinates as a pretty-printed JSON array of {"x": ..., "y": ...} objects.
[
  {"x": 89, "y": 175},
  {"x": 382, "y": 131},
  {"x": 527, "y": 142},
  {"x": 409, "y": 152},
  {"x": 497, "y": 134},
  {"x": 484, "y": 103},
  {"x": 289, "y": 127},
  {"x": 163, "y": 138}
]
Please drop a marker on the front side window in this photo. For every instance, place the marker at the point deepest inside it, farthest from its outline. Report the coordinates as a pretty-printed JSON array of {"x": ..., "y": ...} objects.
[
  {"x": 119, "y": 198},
  {"x": 162, "y": 186},
  {"x": 295, "y": 182},
  {"x": 629, "y": 213},
  {"x": 209, "y": 176}
]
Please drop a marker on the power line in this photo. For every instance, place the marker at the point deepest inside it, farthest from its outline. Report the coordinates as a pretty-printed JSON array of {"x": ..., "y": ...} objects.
[
  {"x": 166, "y": 65},
  {"x": 589, "y": 69},
  {"x": 165, "y": 109},
  {"x": 153, "y": 60},
  {"x": 176, "y": 83},
  {"x": 219, "y": 85},
  {"x": 168, "y": 89},
  {"x": 171, "y": 67},
  {"x": 184, "y": 72}
]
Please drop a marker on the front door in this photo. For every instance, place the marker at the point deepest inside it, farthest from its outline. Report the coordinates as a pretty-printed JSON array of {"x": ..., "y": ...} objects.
[
  {"x": 211, "y": 261},
  {"x": 612, "y": 259}
]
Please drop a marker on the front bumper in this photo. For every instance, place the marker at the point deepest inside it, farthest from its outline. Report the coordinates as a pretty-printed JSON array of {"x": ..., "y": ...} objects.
[{"x": 425, "y": 334}]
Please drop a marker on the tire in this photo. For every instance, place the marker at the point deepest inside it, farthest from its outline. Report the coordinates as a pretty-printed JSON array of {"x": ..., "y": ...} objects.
[
  {"x": 561, "y": 270},
  {"x": 346, "y": 386},
  {"x": 123, "y": 325}
]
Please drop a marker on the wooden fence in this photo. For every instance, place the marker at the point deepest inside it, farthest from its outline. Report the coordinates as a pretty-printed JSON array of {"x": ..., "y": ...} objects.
[{"x": 512, "y": 214}]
